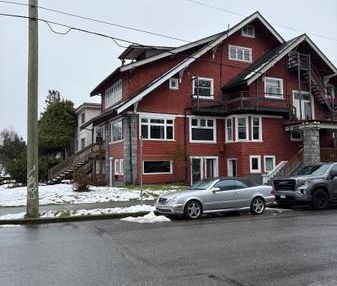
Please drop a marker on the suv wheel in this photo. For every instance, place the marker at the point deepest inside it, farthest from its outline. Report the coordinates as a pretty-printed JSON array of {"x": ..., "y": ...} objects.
[{"x": 320, "y": 200}]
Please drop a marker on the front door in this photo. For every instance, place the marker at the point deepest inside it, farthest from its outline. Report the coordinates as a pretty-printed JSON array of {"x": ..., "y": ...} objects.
[
  {"x": 203, "y": 168},
  {"x": 231, "y": 168},
  {"x": 303, "y": 105}
]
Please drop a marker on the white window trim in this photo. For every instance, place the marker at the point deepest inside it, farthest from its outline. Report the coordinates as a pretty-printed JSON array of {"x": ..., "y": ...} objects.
[
  {"x": 236, "y": 165},
  {"x": 202, "y": 166},
  {"x": 260, "y": 130},
  {"x": 312, "y": 102},
  {"x": 333, "y": 94},
  {"x": 240, "y": 47},
  {"x": 273, "y": 157},
  {"x": 158, "y": 173},
  {"x": 237, "y": 128},
  {"x": 231, "y": 118},
  {"x": 111, "y": 136},
  {"x": 120, "y": 170},
  {"x": 203, "y": 141},
  {"x": 157, "y": 116},
  {"x": 281, "y": 96},
  {"x": 171, "y": 86},
  {"x": 194, "y": 78},
  {"x": 247, "y": 35},
  {"x": 295, "y": 139},
  {"x": 108, "y": 103},
  {"x": 258, "y": 157}
]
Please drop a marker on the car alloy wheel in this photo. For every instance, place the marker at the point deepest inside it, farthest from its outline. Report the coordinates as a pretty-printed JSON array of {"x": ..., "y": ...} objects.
[
  {"x": 257, "y": 206},
  {"x": 320, "y": 200},
  {"x": 193, "y": 210}
]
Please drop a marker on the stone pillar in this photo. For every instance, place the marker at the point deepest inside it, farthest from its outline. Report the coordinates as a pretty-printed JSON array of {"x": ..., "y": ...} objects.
[
  {"x": 311, "y": 145},
  {"x": 130, "y": 133}
]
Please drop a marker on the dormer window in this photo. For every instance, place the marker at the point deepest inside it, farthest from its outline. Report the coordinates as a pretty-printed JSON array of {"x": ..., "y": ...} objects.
[{"x": 248, "y": 31}]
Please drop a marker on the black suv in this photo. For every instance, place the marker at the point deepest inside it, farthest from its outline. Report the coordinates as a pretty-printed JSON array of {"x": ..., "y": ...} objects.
[{"x": 316, "y": 184}]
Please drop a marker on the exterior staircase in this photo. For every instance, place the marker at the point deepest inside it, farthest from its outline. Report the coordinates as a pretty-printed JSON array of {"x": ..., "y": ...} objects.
[
  {"x": 84, "y": 159},
  {"x": 284, "y": 168},
  {"x": 314, "y": 81}
]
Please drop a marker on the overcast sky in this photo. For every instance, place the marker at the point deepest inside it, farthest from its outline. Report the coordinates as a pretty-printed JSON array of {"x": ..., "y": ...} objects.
[{"x": 74, "y": 64}]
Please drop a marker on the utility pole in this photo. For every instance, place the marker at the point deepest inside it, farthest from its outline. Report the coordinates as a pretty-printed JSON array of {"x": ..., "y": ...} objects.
[{"x": 32, "y": 141}]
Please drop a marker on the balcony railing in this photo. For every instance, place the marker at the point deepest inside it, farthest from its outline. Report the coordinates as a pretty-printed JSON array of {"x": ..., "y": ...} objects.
[
  {"x": 329, "y": 154},
  {"x": 243, "y": 100}
]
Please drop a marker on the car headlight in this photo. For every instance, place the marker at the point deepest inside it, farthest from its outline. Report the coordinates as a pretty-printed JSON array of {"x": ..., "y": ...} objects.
[
  {"x": 172, "y": 201},
  {"x": 303, "y": 183}
]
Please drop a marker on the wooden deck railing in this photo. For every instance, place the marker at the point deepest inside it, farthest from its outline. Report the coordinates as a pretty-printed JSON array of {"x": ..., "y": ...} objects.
[{"x": 72, "y": 161}]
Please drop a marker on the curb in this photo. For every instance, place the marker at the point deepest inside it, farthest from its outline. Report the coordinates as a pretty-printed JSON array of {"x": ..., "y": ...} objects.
[{"x": 70, "y": 219}]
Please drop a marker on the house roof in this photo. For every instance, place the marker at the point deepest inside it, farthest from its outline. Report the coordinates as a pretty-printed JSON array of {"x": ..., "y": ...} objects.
[
  {"x": 186, "y": 62},
  {"x": 169, "y": 52},
  {"x": 256, "y": 68},
  {"x": 136, "y": 52},
  {"x": 85, "y": 105},
  {"x": 270, "y": 59}
]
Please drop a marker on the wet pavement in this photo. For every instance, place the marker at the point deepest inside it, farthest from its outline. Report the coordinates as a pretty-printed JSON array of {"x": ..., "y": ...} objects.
[{"x": 277, "y": 248}]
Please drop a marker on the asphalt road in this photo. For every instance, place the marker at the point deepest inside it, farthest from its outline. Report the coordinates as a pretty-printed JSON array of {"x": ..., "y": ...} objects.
[{"x": 290, "y": 248}]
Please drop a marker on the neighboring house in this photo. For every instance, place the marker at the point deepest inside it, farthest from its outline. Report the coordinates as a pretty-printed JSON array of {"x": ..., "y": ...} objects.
[
  {"x": 243, "y": 102},
  {"x": 84, "y": 113}
]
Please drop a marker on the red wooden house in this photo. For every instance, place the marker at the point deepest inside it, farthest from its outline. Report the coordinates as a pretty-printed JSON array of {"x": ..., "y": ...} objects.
[{"x": 243, "y": 102}]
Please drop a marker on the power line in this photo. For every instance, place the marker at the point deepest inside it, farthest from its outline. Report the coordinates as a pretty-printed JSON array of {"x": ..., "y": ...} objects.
[
  {"x": 98, "y": 21},
  {"x": 275, "y": 24},
  {"x": 115, "y": 40}
]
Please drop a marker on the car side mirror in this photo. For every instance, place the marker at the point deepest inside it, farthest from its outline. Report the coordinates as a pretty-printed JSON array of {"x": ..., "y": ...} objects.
[
  {"x": 333, "y": 174},
  {"x": 215, "y": 189}
]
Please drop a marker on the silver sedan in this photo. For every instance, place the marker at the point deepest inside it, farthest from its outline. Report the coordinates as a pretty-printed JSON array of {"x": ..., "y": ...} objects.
[{"x": 216, "y": 195}]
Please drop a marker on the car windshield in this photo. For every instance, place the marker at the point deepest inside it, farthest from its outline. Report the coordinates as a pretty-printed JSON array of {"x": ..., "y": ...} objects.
[
  {"x": 321, "y": 170},
  {"x": 307, "y": 170},
  {"x": 202, "y": 185}
]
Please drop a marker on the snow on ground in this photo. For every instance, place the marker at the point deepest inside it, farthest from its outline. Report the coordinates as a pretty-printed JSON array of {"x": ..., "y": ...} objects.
[
  {"x": 64, "y": 194},
  {"x": 84, "y": 212},
  {"x": 148, "y": 218}
]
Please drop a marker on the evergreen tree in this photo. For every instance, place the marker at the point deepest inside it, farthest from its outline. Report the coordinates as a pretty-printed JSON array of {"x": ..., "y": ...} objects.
[{"x": 13, "y": 153}]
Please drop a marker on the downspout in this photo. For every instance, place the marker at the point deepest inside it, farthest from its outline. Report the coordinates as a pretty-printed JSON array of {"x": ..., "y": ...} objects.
[{"x": 130, "y": 149}]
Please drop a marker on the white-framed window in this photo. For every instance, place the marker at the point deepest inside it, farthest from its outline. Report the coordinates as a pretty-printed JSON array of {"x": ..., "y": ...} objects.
[
  {"x": 256, "y": 128},
  {"x": 83, "y": 118},
  {"x": 242, "y": 128},
  {"x": 173, "y": 83},
  {"x": 248, "y": 31},
  {"x": 114, "y": 93},
  {"x": 304, "y": 105},
  {"x": 203, "y": 87},
  {"x": 255, "y": 164},
  {"x": 116, "y": 131},
  {"x": 241, "y": 54},
  {"x": 296, "y": 136},
  {"x": 229, "y": 129},
  {"x": 157, "y": 128},
  {"x": 157, "y": 167},
  {"x": 269, "y": 162},
  {"x": 202, "y": 130},
  {"x": 330, "y": 90},
  {"x": 82, "y": 143},
  {"x": 119, "y": 166},
  {"x": 273, "y": 87}
]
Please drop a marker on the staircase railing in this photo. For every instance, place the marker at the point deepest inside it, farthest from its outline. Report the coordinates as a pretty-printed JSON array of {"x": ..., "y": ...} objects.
[
  {"x": 79, "y": 157},
  {"x": 266, "y": 178},
  {"x": 292, "y": 164}
]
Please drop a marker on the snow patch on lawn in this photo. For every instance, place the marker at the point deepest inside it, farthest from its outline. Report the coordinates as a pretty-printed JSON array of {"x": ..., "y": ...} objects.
[
  {"x": 64, "y": 194},
  {"x": 84, "y": 212},
  {"x": 148, "y": 218}
]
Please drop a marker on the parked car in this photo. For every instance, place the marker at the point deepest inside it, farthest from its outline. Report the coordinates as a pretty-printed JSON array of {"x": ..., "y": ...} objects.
[
  {"x": 319, "y": 187},
  {"x": 216, "y": 195}
]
